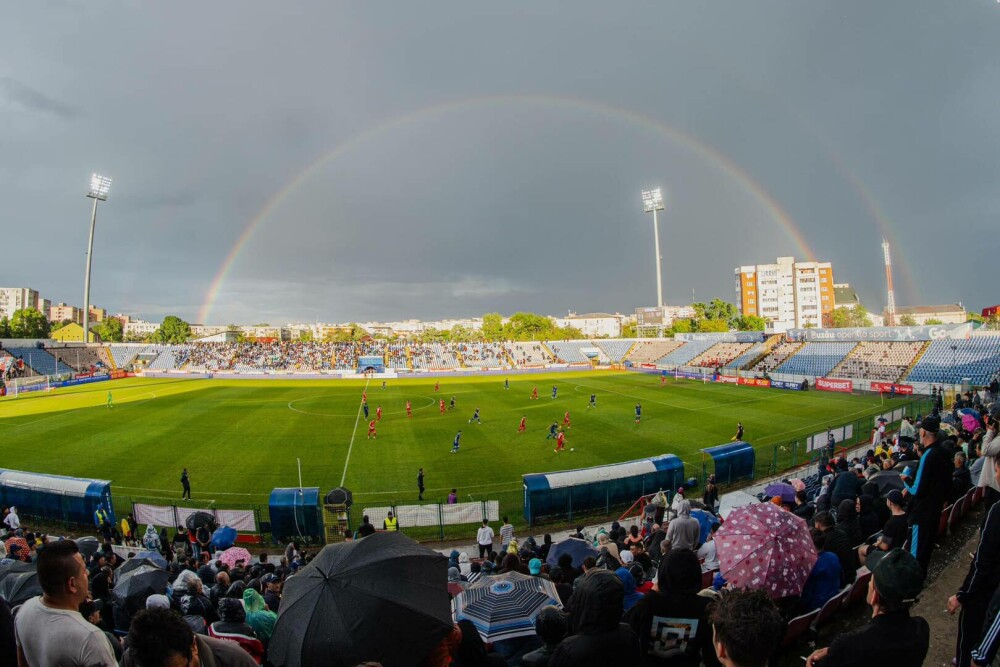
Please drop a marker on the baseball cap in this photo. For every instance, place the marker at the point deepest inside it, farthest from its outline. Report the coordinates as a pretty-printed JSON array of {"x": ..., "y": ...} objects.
[
  {"x": 895, "y": 497},
  {"x": 534, "y": 566},
  {"x": 931, "y": 423},
  {"x": 158, "y": 601},
  {"x": 897, "y": 574},
  {"x": 269, "y": 578}
]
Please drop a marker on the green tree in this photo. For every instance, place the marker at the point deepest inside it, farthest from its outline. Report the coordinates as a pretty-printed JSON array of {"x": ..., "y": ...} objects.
[
  {"x": 721, "y": 310},
  {"x": 907, "y": 321},
  {"x": 842, "y": 317},
  {"x": 529, "y": 326},
  {"x": 110, "y": 330},
  {"x": 492, "y": 327},
  {"x": 682, "y": 325},
  {"x": 4, "y": 327},
  {"x": 306, "y": 336},
  {"x": 933, "y": 320},
  {"x": 629, "y": 330},
  {"x": 750, "y": 323},
  {"x": 173, "y": 330},
  {"x": 29, "y": 323},
  {"x": 462, "y": 334},
  {"x": 713, "y": 326}
]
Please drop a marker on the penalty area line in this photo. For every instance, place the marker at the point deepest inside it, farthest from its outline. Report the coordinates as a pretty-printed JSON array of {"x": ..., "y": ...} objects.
[{"x": 353, "y": 434}]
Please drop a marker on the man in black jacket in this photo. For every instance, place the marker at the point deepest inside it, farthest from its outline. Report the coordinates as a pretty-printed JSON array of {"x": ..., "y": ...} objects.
[
  {"x": 893, "y": 636},
  {"x": 929, "y": 490},
  {"x": 836, "y": 542},
  {"x": 973, "y": 598},
  {"x": 672, "y": 623},
  {"x": 598, "y": 636}
]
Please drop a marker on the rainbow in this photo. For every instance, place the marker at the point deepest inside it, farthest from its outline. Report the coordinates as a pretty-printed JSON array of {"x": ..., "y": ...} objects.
[{"x": 706, "y": 151}]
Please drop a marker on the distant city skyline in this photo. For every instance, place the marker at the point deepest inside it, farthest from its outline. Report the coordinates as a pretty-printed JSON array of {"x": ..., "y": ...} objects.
[{"x": 346, "y": 161}]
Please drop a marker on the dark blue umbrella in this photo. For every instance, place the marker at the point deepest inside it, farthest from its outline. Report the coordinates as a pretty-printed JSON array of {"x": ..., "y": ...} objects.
[
  {"x": 575, "y": 547},
  {"x": 19, "y": 588},
  {"x": 505, "y": 606},
  {"x": 224, "y": 537},
  {"x": 706, "y": 520},
  {"x": 141, "y": 582},
  {"x": 153, "y": 556}
]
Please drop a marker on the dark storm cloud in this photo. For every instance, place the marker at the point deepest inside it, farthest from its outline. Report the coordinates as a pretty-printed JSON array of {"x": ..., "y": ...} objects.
[
  {"x": 17, "y": 94},
  {"x": 859, "y": 119}
]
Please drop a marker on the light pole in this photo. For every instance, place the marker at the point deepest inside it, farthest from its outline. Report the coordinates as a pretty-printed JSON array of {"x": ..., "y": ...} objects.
[
  {"x": 99, "y": 188},
  {"x": 652, "y": 201}
]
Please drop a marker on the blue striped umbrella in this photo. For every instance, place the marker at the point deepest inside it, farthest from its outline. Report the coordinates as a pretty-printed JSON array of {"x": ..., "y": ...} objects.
[{"x": 505, "y": 605}]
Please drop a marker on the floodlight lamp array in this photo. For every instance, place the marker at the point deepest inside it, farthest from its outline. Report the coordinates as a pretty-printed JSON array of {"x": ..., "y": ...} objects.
[
  {"x": 100, "y": 186},
  {"x": 652, "y": 200}
]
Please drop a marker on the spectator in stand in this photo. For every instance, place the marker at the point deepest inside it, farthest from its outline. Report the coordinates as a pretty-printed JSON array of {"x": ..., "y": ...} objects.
[
  {"x": 232, "y": 626},
  {"x": 506, "y": 534},
  {"x": 598, "y": 638},
  {"x": 684, "y": 532},
  {"x": 747, "y": 628},
  {"x": 893, "y": 636},
  {"x": 484, "y": 539},
  {"x": 677, "y": 599},
  {"x": 895, "y": 531},
  {"x": 366, "y": 528},
  {"x": 628, "y": 581},
  {"x": 551, "y": 626},
  {"x": 847, "y": 521},
  {"x": 161, "y": 638},
  {"x": 929, "y": 490},
  {"x": 836, "y": 542},
  {"x": 824, "y": 579},
  {"x": 846, "y": 486},
  {"x": 711, "y": 495},
  {"x": 961, "y": 477},
  {"x": 50, "y": 629},
  {"x": 973, "y": 598},
  {"x": 707, "y": 552},
  {"x": 803, "y": 508},
  {"x": 272, "y": 593},
  {"x": 867, "y": 517}
]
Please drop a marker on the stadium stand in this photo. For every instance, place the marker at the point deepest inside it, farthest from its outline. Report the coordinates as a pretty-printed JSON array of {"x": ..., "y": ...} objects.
[
  {"x": 647, "y": 352},
  {"x": 883, "y": 362},
  {"x": 976, "y": 358},
  {"x": 528, "y": 354},
  {"x": 615, "y": 349},
  {"x": 396, "y": 355},
  {"x": 739, "y": 362},
  {"x": 720, "y": 354},
  {"x": 125, "y": 354},
  {"x": 79, "y": 358},
  {"x": 40, "y": 361},
  {"x": 167, "y": 360},
  {"x": 482, "y": 355},
  {"x": 775, "y": 357},
  {"x": 433, "y": 355},
  {"x": 816, "y": 359},
  {"x": 569, "y": 351},
  {"x": 685, "y": 353}
]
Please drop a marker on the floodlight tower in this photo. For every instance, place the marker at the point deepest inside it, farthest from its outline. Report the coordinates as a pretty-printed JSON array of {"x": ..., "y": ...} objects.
[
  {"x": 99, "y": 188},
  {"x": 652, "y": 201},
  {"x": 891, "y": 301}
]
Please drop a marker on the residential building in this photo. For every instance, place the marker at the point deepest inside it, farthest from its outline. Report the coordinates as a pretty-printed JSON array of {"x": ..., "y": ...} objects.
[
  {"x": 97, "y": 314},
  {"x": 43, "y": 306},
  {"x": 952, "y": 313},
  {"x": 593, "y": 325},
  {"x": 788, "y": 294},
  {"x": 61, "y": 312},
  {"x": 139, "y": 328},
  {"x": 13, "y": 299}
]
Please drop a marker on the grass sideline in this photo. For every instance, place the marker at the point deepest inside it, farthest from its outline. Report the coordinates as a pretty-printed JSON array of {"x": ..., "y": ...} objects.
[{"x": 240, "y": 438}]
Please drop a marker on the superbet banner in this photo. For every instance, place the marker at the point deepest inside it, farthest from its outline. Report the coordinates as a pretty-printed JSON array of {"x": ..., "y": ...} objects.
[{"x": 845, "y": 386}]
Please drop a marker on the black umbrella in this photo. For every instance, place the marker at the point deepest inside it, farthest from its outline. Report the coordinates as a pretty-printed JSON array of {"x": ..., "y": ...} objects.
[
  {"x": 15, "y": 567},
  {"x": 339, "y": 496},
  {"x": 887, "y": 480},
  {"x": 133, "y": 563},
  {"x": 88, "y": 546},
  {"x": 19, "y": 588},
  {"x": 141, "y": 582},
  {"x": 199, "y": 519},
  {"x": 382, "y": 599},
  {"x": 578, "y": 549}
]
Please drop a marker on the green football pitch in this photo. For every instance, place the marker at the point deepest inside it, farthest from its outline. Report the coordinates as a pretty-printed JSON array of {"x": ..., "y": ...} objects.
[{"x": 241, "y": 438}]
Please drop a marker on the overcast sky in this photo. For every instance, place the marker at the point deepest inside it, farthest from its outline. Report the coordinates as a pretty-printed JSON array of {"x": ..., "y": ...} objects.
[{"x": 449, "y": 159}]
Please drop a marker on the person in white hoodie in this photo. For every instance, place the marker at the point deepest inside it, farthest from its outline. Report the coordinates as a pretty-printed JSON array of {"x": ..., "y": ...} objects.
[
  {"x": 11, "y": 520},
  {"x": 991, "y": 450}
]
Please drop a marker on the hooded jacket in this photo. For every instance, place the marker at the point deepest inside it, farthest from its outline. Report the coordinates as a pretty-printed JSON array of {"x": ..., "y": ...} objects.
[
  {"x": 598, "y": 637},
  {"x": 260, "y": 619},
  {"x": 678, "y": 605},
  {"x": 684, "y": 532},
  {"x": 628, "y": 581}
]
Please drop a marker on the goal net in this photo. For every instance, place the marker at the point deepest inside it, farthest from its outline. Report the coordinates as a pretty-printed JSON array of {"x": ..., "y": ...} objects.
[{"x": 18, "y": 386}]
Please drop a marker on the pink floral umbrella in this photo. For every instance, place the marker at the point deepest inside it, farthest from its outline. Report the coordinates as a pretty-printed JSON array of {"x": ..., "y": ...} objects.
[
  {"x": 233, "y": 554},
  {"x": 763, "y": 546}
]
